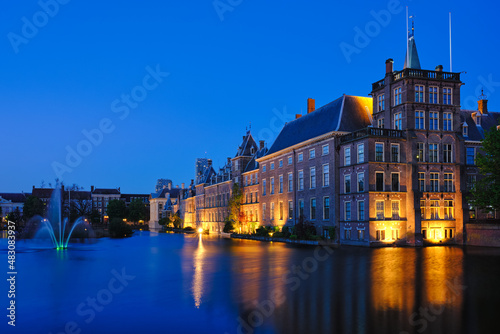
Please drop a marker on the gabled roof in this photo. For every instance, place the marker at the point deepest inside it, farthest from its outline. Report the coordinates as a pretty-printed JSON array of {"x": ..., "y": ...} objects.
[
  {"x": 253, "y": 164},
  {"x": 345, "y": 114},
  {"x": 15, "y": 197},
  {"x": 246, "y": 146},
  {"x": 476, "y": 132},
  {"x": 167, "y": 193},
  {"x": 42, "y": 192}
]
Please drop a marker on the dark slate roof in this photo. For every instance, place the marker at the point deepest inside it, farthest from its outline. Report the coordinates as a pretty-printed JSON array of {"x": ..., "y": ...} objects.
[
  {"x": 205, "y": 178},
  {"x": 412, "y": 50},
  {"x": 15, "y": 197},
  {"x": 78, "y": 194},
  {"x": 347, "y": 113},
  {"x": 174, "y": 193},
  {"x": 42, "y": 192},
  {"x": 475, "y": 132},
  {"x": 127, "y": 197},
  {"x": 246, "y": 146},
  {"x": 253, "y": 164},
  {"x": 106, "y": 191}
]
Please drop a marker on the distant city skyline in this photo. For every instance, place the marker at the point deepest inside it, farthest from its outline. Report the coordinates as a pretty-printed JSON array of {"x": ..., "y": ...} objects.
[{"x": 121, "y": 96}]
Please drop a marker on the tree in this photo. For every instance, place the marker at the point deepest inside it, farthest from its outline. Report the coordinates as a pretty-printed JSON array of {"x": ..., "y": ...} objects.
[
  {"x": 486, "y": 191},
  {"x": 176, "y": 220},
  {"x": 116, "y": 209},
  {"x": 119, "y": 229},
  {"x": 136, "y": 210},
  {"x": 32, "y": 207},
  {"x": 14, "y": 216},
  {"x": 228, "y": 226},
  {"x": 235, "y": 214},
  {"x": 164, "y": 221}
]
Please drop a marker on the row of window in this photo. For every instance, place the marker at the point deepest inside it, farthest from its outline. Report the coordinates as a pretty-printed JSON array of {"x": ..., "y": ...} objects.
[
  {"x": 433, "y": 121},
  {"x": 434, "y": 185},
  {"x": 300, "y": 181},
  {"x": 380, "y": 234},
  {"x": 312, "y": 209},
  {"x": 434, "y": 152},
  {"x": 434, "y": 211},
  {"x": 420, "y": 96},
  {"x": 217, "y": 200},
  {"x": 325, "y": 149},
  {"x": 251, "y": 179}
]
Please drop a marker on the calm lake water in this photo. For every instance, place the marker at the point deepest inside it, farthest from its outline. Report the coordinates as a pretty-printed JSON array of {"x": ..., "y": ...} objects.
[{"x": 173, "y": 283}]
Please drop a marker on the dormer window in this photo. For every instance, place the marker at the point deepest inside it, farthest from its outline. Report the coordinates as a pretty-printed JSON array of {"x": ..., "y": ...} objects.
[
  {"x": 465, "y": 130},
  {"x": 252, "y": 150}
]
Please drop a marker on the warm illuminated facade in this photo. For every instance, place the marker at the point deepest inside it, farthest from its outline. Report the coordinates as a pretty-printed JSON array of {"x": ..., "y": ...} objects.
[{"x": 395, "y": 167}]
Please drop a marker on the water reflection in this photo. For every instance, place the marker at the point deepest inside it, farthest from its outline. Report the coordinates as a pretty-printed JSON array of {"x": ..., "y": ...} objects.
[{"x": 197, "y": 286}]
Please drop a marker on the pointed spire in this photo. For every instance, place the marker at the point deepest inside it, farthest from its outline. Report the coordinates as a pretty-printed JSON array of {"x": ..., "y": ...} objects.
[{"x": 412, "y": 54}]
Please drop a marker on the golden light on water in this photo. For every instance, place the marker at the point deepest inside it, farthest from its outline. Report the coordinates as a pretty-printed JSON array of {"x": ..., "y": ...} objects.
[{"x": 198, "y": 273}]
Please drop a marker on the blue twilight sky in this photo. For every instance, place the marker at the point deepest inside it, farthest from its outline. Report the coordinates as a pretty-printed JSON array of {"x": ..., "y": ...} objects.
[{"x": 253, "y": 61}]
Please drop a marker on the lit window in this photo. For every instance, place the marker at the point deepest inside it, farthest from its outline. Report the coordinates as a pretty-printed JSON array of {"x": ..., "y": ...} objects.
[
  {"x": 465, "y": 130},
  {"x": 281, "y": 210},
  {"x": 379, "y": 208},
  {"x": 433, "y": 121},
  {"x": 313, "y": 177},
  {"x": 422, "y": 209},
  {"x": 361, "y": 153},
  {"x": 398, "y": 125},
  {"x": 433, "y": 95},
  {"x": 434, "y": 209},
  {"x": 347, "y": 156},
  {"x": 420, "y": 152},
  {"x": 395, "y": 210},
  {"x": 290, "y": 210},
  {"x": 395, "y": 234},
  {"x": 361, "y": 234},
  {"x": 419, "y": 93},
  {"x": 419, "y": 120}
]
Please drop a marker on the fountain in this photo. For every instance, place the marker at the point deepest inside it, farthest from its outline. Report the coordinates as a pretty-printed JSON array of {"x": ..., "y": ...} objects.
[{"x": 55, "y": 225}]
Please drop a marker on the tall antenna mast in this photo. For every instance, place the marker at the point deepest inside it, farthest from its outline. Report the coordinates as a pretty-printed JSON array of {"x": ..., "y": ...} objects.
[
  {"x": 451, "y": 68},
  {"x": 406, "y": 37}
]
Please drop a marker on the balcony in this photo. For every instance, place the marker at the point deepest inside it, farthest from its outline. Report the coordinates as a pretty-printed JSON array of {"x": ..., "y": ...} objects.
[
  {"x": 372, "y": 132},
  {"x": 419, "y": 74}
]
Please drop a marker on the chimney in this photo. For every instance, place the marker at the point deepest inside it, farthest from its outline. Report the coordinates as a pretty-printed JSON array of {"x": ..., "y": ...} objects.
[
  {"x": 298, "y": 116},
  {"x": 482, "y": 106},
  {"x": 33, "y": 187},
  {"x": 439, "y": 68},
  {"x": 177, "y": 187},
  {"x": 388, "y": 66},
  {"x": 183, "y": 185},
  {"x": 310, "y": 105},
  {"x": 228, "y": 161},
  {"x": 261, "y": 144},
  {"x": 209, "y": 162},
  {"x": 164, "y": 186},
  {"x": 91, "y": 189},
  {"x": 192, "y": 181},
  {"x": 169, "y": 186}
]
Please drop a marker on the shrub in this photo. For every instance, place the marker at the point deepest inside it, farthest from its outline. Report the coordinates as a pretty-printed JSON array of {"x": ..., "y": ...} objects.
[
  {"x": 119, "y": 229},
  {"x": 228, "y": 226},
  {"x": 304, "y": 229},
  {"x": 332, "y": 232},
  {"x": 278, "y": 235},
  {"x": 188, "y": 228},
  {"x": 286, "y": 232},
  {"x": 293, "y": 237},
  {"x": 262, "y": 232}
]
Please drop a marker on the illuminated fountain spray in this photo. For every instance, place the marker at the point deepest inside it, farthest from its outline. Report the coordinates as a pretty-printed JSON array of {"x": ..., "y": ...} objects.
[{"x": 54, "y": 223}]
